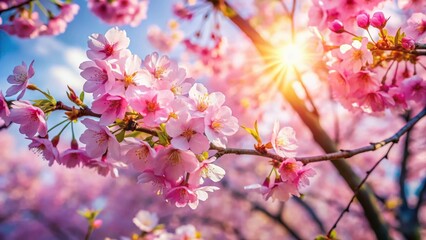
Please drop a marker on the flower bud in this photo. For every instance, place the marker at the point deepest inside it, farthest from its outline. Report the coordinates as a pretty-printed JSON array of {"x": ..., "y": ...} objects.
[
  {"x": 378, "y": 20},
  {"x": 73, "y": 97},
  {"x": 32, "y": 87},
  {"x": 97, "y": 223},
  {"x": 408, "y": 43},
  {"x": 74, "y": 144},
  {"x": 363, "y": 20},
  {"x": 336, "y": 26},
  {"x": 55, "y": 140}
]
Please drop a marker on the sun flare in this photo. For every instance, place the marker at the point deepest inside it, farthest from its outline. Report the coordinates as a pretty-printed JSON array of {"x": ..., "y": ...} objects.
[{"x": 291, "y": 55}]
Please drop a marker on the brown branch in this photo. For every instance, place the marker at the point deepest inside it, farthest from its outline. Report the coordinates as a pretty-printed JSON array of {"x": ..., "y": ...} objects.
[
  {"x": 16, "y": 6},
  {"x": 357, "y": 190},
  {"x": 330, "y": 156},
  {"x": 404, "y": 162},
  {"x": 421, "y": 198},
  {"x": 85, "y": 111},
  {"x": 311, "y": 212}
]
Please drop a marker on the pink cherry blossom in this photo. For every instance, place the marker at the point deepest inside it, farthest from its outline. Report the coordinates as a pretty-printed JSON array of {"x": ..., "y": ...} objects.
[
  {"x": 201, "y": 99},
  {"x": 277, "y": 189},
  {"x": 4, "y": 109},
  {"x": 139, "y": 154},
  {"x": 31, "y": 119},
  {"x": 159, "y": 182},
  {"x": 72, "y": 158},
  {"x": 160, "y": 67},
  {"x": 45, "y": 148},
  {"x": 375, "y": 101},
  {"x": 186, "y": 232},
  {"x": 219, "y": 123},
  {"x": 210, "y": 170},
  {"x": 302, "y": 177},
  {"x": 130, "y": 79},
  {"x": 284, "y": 141},
  {"x": 58, "y": 24},
  {"x": 399, "y": 98},
  {"x": 104, "y": 167},
  {"x": 181, "y": 12},
  {"x": 110, "y": 107},
  {"x": 120, "y": 12},
  {"x": 19, "y": 79},
  {"x": 99, "y": 139},
  {"x": 416, "y": 27},
  {"x": 187, "y": 134},
  {"x": 174, "y": 164},
  {"x": 112, "y": 45},
  {"x": 68, "y": 11},
  {"x": 289, "y": 169},
  {"x": 282, "y": 191},
  {"x": 182, "y": 196},
  {"x": 145, "y": 220},
  {"x": 99, "y": 76},
  {"x": 363, "y": 82},
  {"x": 355, "y": 56},
  {"x": 414, "y": 88},
  {"x": 26, "y": 25},
  {"x": 408, "y": 43},
  {"x": 153, "y": 106},
  {"x": 164, "y": 42}
]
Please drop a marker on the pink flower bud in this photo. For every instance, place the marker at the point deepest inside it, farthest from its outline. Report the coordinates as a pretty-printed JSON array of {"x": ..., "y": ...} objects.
[
  {"x": 97, "y": 223},
  {"x": 363, "y": 20},
  {"x": 55, "y": 140},
  {"x": 408, "y": 43},
  {"x": 378, "y": 20},
  {"x": 336, "y": 26}
]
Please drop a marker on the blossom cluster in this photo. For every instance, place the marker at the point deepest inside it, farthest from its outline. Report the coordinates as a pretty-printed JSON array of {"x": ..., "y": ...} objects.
[
  {"x": 26, "y": 23},
  {"x": 120, "y": 12},
  {"x": 289, "y": 175},
  {"x": 378, "y": 74},
  {"x": 148, "y": 223},
  {"x": 151, "y": 117}
]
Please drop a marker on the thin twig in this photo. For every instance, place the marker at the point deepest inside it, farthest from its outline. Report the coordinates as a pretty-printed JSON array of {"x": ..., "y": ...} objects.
[
  {"x": 358, "y": 189},
  {"x": 305, "y": 89},
  {"x": 330, "y": 156},
  {"x": 16, "y": 6}
]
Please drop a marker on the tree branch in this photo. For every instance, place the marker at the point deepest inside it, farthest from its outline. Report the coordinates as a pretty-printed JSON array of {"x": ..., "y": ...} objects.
[
  {"x": 357, "y": 190},
  {"x": 16, "y": 6},
  {"x": 330, "y": 156},
  {"x": 311, "y": 212},
  {"x": 404, "y": 162}
]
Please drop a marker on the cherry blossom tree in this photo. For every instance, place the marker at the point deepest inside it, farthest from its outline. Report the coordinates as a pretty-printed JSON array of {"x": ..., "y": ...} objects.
[{"x": 272, "y": 116}]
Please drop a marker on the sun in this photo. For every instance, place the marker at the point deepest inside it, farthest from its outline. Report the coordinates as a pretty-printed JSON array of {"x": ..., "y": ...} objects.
[{"x": 291, "y": 55}]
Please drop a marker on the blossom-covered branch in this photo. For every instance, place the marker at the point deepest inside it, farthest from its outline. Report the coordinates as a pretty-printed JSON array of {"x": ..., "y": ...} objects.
[{"x": 330, "y": 156}]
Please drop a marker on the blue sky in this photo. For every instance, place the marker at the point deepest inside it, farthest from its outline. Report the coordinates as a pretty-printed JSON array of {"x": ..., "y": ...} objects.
[{"x": 57, "y": 58}]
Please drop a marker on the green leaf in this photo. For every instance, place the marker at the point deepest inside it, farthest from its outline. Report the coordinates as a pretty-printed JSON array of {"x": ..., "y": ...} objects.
[
  {"x": 333, "y": 234},
  {"x": 254, "y": 132},
  {"x": 82, "y": 96},
  {"x": 321, "y": 237},
  {"x": 397, "y": 37},
  {"x": 120, "y": 135}
]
